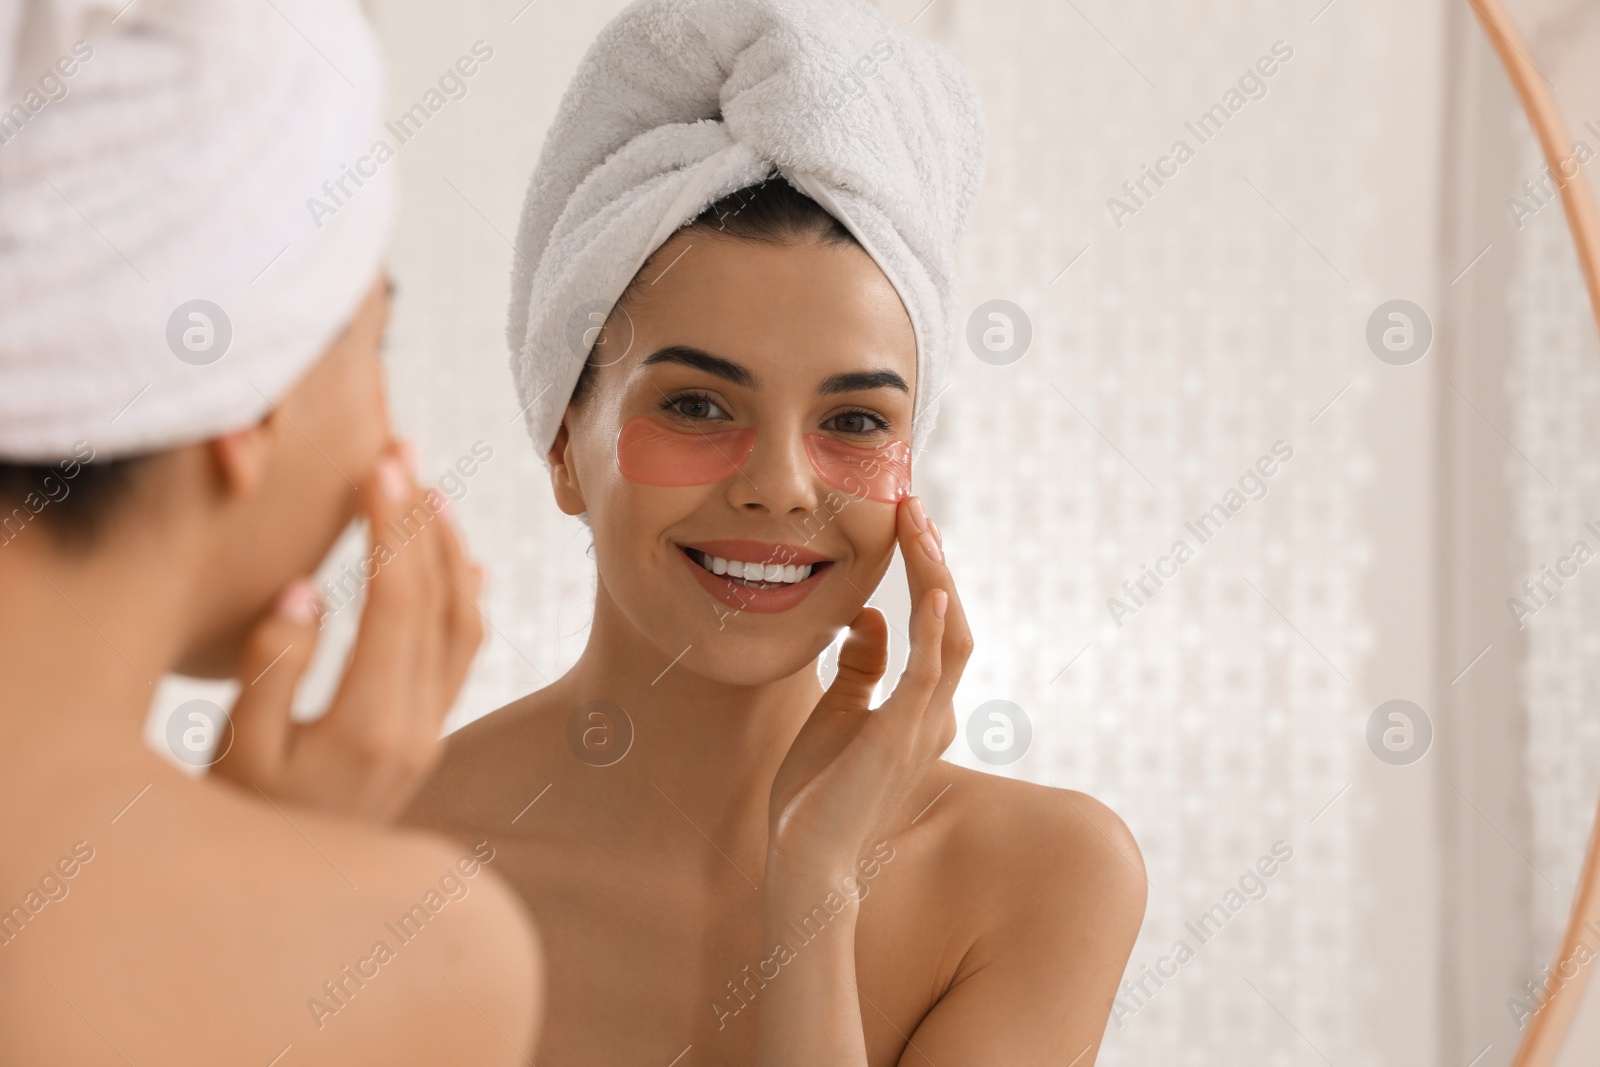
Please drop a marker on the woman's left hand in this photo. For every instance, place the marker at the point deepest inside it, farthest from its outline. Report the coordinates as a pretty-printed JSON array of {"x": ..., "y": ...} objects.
[
  {"x": 851, "y": 766},
  {"x": 419, "y": 631}
]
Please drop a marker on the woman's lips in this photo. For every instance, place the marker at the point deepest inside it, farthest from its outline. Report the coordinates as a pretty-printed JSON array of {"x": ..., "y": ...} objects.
[{"x": 735, "y": 594}]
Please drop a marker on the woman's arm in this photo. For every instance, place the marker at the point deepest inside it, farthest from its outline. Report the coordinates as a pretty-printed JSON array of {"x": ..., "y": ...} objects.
[
  {"x": 840, "y": 787},
  {"x": 1037, "y": 985},
  {"x": 810, "y": 1013},
  {"x": 1037, "y": 988}
]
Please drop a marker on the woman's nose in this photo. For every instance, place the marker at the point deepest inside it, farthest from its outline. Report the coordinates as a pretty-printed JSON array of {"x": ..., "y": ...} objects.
[{"x": 778, "y": 476}]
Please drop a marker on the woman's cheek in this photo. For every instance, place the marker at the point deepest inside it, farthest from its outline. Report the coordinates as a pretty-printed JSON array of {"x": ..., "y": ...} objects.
[{"x": 868, "y": 527}]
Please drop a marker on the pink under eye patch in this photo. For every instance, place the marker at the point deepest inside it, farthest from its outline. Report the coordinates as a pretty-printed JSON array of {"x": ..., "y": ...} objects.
[
  {"x": 652, "y": 454},
  {"x": 882, "y": 474}
]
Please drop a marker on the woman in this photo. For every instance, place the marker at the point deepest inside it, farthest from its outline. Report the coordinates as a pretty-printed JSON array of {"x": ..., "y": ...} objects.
[
  {"x": 730, "y": 864},
  {"x": 172, "y": 469}
]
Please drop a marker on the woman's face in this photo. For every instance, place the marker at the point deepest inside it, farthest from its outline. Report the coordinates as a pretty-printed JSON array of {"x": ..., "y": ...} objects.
[
  {"x": 325, "y": 436},
  {"x": 722, "y": 334}
]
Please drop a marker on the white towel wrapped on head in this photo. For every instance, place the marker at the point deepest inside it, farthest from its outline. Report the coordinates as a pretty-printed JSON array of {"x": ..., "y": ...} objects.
[
  {"x": 183, "y": 158},
  {"x": 680, "y": 102}
]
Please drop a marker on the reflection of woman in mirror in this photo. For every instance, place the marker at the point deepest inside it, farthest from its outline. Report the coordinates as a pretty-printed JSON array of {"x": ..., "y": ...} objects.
[
  {"x": 164, "y": 497},
  {"x": 728, "y": 862}
]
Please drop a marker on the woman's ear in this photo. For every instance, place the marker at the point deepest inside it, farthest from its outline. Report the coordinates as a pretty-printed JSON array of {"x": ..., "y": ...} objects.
[
  {"x": 563, "y": 477},
  {"x": 241, "y": 456}
]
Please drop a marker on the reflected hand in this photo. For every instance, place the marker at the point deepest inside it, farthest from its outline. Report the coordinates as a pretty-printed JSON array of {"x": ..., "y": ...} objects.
[
  {"x": 851, "y": 766},
  {"x": 419, "y": 632}
]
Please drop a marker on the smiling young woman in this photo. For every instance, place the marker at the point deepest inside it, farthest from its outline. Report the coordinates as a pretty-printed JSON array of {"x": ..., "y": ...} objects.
[{"x": 728, "y": 863}]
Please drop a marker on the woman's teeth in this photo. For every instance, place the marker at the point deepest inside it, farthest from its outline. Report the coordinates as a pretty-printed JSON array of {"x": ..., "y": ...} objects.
[{"x": 786, "y": 574}]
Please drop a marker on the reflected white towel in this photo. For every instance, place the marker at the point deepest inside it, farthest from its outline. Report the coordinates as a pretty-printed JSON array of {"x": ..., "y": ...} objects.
[
  {"x": 680, "y": 102},
  {"x": 176, "y": 162}
]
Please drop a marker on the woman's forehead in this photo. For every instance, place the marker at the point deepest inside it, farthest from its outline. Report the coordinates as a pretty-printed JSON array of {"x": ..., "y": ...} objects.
[{"x": 773, "y": 308}]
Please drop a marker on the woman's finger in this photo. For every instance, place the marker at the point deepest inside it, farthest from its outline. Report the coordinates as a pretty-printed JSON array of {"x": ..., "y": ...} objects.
[
  {"x": 275, "y": 657},
  {"x": 468, "y": 629},
  {"x": 863, "y": 659},
  {"x": 409, "y": 731},
  {"x": 425, "y": 552},
  {"x": 926, "y": 568},
  {"x": 903, "y": 712},
  {"x": 368, "y": 708},
  {"x": 463, "y": 622},
  {"x": 911, "y": 521}
]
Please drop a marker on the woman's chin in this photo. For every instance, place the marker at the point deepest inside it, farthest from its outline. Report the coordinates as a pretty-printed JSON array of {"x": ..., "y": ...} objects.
[{"x": 747, "y": 660}]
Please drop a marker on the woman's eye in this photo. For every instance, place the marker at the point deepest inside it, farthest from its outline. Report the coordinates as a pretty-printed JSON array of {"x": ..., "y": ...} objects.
[
  {"x": 857, "y": 422},
  {"x": 697, "y": 407}
]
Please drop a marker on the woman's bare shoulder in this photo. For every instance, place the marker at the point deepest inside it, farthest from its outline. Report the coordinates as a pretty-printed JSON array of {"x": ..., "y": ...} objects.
[
  {"x": 488, "y": 764},
  {"x": 1039, "y": 893},
  {"x": 264, "y": 912},
  {"x": 1027, "y": 850}
]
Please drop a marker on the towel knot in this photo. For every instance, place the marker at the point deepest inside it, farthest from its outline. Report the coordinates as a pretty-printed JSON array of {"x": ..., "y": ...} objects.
[{"x": 678, "y": 103}]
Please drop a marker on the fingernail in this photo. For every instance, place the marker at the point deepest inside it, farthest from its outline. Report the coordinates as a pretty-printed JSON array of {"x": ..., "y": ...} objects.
[
  {"x": 393, "y": 479},
  {"x": 941, "y": 600},
  {"x": 919, "y": 518},
  {"x": 408, "y": 452},
  {"x": 937, "y": 536},
  {"x": 299, "y": 601},
  {"x": 931, "y": 547}
]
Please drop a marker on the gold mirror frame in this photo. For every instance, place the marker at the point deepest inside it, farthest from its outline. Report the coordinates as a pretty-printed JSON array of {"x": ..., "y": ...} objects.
[{"x": 1542, "y": 1042}]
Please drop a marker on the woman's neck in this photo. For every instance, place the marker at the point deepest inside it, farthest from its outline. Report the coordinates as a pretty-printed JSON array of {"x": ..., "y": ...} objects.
[
  {"x": 83, "y": 641},
  {"x": 717, "y": 744}
]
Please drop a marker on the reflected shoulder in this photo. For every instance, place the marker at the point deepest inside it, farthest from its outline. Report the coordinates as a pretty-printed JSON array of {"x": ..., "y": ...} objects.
[
  {"x": 1046, "y": 848},
  {"x": 488, "y": 757}
]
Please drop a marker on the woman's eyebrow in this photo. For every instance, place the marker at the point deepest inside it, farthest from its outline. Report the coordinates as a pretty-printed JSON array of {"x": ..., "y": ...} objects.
[
  {"x": 857, "y": 381},
  {"x": 727, "y": 369},
  {"x": 689, "y": 356}
]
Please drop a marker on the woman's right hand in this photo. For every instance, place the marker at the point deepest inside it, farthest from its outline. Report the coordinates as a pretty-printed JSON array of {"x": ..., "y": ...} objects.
[
  {"x": 419, "y": 631},
  {"x": 851, "y": 766}
]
